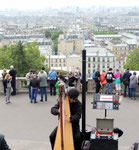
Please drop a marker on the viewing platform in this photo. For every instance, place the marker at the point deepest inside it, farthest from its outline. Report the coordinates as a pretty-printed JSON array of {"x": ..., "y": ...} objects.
[{"x": 27, "y": 126}]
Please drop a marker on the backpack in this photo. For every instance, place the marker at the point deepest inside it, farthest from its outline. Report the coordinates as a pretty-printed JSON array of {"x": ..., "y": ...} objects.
[
  {"x": 125, "y": 81},
  {"x": 109, "y": 76},
  {"x": 102, "y": 78},
  {"x": 94, "y": 75}
]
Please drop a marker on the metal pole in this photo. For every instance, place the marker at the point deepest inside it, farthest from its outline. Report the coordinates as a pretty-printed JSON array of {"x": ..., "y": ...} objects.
[{"x": 83, "y": 92}]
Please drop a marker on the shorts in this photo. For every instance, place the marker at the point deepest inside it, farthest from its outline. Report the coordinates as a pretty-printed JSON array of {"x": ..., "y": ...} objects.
[{"x": 118, "y": 86}]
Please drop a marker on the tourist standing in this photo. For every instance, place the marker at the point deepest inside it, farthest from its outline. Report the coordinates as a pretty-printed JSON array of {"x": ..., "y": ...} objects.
[
  {"x": 43, "y": 84},
  {"x": 126, "y": 82},
  {"x": 7, "y": 81},
  {"x": 13, "y": 73},
  {"x": 109, "y": 78},
  {"x": 77, "y": 75},
  {"x": 97, "y": 80},
  {"x": 60, "y": 81},
  {"x": 132, "y": 86},
  {"x": 103, "y": 82},
  {"x": 35, "y": 83},
  {"x": 52, "y": 79},
  {"x": 29, "y": 77},
  {"x": 117, "y": 76},
  {"x": 3, "y": 79},
  {"x": 43, "y": 72},
  {"x": 71, "y": 81}
]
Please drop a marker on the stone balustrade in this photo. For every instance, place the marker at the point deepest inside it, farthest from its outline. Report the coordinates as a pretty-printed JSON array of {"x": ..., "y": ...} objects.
[{"x": 21, "y": 86}]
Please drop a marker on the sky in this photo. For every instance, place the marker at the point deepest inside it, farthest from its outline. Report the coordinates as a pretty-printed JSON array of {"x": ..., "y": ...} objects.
[{"x": 42, "y": 4}]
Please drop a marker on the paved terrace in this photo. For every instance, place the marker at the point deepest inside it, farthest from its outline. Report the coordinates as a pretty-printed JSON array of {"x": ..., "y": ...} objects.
[{"x": 27, "y": 126}]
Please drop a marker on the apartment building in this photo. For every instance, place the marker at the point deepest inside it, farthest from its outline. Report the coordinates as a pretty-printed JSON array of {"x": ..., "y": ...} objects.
[
  {"x": 119, "y": 49},
  {"x": 96, "y": 57},
  {"x": 70, "y": 44},
  {"x": 105, "y": 37}
]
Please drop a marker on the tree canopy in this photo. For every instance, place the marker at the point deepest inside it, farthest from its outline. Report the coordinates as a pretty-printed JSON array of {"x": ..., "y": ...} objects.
[
  {"x": 22, "y": 56},
  {"x": 54, "y": 36},
  {"x": 108, "y": 32},
  {"x": 47, "y": 34},
  {"x": 132, "y": 61}
]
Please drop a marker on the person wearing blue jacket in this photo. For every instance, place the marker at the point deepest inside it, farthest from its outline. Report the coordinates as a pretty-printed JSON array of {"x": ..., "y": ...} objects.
[{"x": 52, "y": 77}]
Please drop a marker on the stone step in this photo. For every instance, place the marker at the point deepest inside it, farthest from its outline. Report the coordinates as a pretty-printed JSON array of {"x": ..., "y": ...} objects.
[
  {"x": 28, "y": 145},
  {"x": 35, "y": 145}
]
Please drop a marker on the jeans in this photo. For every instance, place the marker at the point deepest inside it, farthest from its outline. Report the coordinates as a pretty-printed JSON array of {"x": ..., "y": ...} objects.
[
  {"x": 132, "y": 92},
  {"x": 109, "y": 87},
  {"x": 98, "y": 86},
  {"x": 52, "y": 87},
  {"x": 29, "y": 90},
  {"x": 43, "y": 90},
  {"x": 13, "y": 84},
  {"x": 8, "y": 94},
  {"x": 126, "y": 86},
  {"x": 34, "y": 94}
]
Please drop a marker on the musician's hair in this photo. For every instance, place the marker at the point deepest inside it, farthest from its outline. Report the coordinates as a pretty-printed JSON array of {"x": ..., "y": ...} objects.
[{"x": 73, "y": 93}]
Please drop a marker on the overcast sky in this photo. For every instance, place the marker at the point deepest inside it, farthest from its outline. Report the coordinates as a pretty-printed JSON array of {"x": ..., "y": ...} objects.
[{"x": 41, "y": 4}]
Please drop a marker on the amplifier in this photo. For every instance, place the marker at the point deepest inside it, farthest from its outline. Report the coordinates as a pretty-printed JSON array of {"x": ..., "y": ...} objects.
[{"x": 103, "y": 144}]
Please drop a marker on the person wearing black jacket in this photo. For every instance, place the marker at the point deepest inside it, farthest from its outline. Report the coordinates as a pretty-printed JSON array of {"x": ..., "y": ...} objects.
[
  {"x": 13, "y": 73},
  {"x": 3, "y": 143},
  {"x": 126, "y": 82},
  {"x": 109, "y": 78},
  {"x": 3, "y": 79},
  {"x": 35, "y": 83},
  {"x": 76, "y": 111},
  {"x": 71, "y": 81},
  {"x": 97, "y": 80}
]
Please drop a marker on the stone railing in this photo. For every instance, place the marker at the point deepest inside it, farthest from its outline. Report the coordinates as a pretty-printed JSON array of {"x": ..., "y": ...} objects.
[{"x": 21, "y": 86}]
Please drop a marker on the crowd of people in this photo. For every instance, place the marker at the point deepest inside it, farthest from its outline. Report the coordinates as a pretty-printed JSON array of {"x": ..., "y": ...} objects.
[{"x": 105, "y": 82}]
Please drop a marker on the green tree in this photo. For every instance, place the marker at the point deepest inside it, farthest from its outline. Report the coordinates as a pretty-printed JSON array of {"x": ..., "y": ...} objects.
[
  {"x": 47, "y": 34},
  {"x": 56, "y": 34},
  {"x": 133, "y": 60},
  {"x": 23, "y": 57},
  {"x": 54, "y": 37}
]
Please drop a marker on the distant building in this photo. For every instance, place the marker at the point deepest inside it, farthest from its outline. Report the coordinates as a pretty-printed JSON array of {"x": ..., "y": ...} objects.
[
  {"x": 118, "y": 49},
  {"x": 107, "y": 37},
  {"x": 70, "y": 44},
  {"x": 96, "y": 57}
]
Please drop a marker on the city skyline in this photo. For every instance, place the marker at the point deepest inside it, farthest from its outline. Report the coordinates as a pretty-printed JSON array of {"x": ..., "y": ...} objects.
[{"x": 41, "y": 4}]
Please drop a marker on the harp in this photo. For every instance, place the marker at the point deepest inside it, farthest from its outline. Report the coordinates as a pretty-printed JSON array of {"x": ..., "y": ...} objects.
[{"x": 64, "y": 136}]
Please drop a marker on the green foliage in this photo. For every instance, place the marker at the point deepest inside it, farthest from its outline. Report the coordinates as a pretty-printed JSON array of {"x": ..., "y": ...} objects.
[
  {"x": 110, "y": 32},
  {"x": 54, "y": 37},
  {"x": 47, "y": 34},
  {"x": 116, "y": 39},
  {"x": 133, "y": 60},
  {"x": 56, "y": 34},
  {"x": 23, "y": 57}
]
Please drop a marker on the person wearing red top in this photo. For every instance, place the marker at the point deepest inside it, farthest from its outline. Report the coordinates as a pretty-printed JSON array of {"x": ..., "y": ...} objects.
[{"x": 103, "y": 82}]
